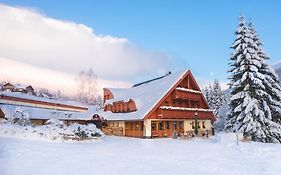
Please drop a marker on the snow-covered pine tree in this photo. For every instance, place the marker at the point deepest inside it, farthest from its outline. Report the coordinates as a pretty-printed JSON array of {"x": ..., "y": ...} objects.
[
  {"x": 216, "y": 99},
  {"x": 249, "y": 111},
  {"x": 217, "y": 96},
  {"x": 208, "y": 94},
  {"x": 214, "y": 96},
  {"x": 271, "y": 82}
]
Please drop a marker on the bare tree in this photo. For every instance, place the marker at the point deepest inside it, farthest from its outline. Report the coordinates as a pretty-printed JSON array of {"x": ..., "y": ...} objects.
[{"x": 87, "y": 91}]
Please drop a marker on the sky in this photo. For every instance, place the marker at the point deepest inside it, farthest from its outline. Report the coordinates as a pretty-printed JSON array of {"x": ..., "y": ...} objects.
[{"x": 129, "y": 41}]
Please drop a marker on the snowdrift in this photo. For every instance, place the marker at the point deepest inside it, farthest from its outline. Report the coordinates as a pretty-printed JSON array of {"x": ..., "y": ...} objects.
[{"x": 53, "y": 130}]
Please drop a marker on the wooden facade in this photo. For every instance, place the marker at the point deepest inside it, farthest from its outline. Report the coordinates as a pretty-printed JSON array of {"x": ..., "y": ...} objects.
[{"x": 173, "y": 115}]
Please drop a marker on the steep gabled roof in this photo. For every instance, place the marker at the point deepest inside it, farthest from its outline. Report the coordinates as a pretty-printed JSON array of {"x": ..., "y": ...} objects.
[{"x": 146, "y": 96}]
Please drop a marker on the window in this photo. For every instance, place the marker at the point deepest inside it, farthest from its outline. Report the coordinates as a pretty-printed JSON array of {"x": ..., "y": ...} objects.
[
  {"x": 137, "y": 126},
  {"x": 153, "y": 126},
  {"x": 131, "y": 125},
  {"x": 160, "y": 125},
  {"x": 198, "y": 124},
  {"x": 193, "y": 125},
  {"x": 167, "y": 125},
  {"x": 175, "y": 125},
  {"x": 181, "y": 125},
  {"x": 203, "y": 125},
  {"x": 128, "y": 108}
]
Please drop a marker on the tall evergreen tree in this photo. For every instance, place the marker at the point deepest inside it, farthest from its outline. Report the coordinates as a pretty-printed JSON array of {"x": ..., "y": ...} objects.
[
  {"x": 272, "y": 86},
  {"x": 250, "y": 103}
]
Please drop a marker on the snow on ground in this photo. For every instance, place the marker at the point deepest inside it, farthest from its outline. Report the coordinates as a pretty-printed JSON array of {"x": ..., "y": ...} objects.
[
  {"x": 118, "y": 155},
  {"x": 55, "y": 130}
]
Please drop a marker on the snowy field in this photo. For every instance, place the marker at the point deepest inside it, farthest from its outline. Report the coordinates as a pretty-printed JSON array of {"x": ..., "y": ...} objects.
[{"x": 117, "y": 155}]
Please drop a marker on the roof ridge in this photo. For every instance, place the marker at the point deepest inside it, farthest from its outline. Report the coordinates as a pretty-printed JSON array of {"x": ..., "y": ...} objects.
[{"x": 148, "y": 81}]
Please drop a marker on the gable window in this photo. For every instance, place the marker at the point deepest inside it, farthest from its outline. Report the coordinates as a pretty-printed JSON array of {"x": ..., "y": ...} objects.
[{"x": 128, "y": 108}]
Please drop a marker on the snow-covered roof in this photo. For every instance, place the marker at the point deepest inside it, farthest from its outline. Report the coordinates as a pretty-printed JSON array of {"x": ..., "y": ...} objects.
[
  {"x": 42, "y": 113},
  {"x": 40, "y": 99},
  {"x": 145, "y": 96},
  {"x": 20, "y": 86}
]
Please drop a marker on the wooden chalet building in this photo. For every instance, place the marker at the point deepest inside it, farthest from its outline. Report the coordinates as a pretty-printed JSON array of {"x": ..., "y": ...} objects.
[{"x": 157, "y": 108}]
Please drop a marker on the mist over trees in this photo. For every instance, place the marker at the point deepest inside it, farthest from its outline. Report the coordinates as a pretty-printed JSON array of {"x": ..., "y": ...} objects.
[{"x": 87, "y": 88}]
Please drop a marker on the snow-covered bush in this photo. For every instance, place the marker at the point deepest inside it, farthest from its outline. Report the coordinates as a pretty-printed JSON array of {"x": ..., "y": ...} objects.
[
  {"x": 53, "y": 130},
  {"x": 85, "y": 131},
  {"x": 56, "y": 122},
  {"x": 21, "y": 118}
]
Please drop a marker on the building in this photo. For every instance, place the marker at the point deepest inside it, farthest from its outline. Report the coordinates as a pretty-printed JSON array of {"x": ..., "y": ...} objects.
[
  {"x": 8, "y": 87},
  {"x": 28, "y": 89},
  {"x": 159, "y": 107},
  {"x": 39, "y": 109}
]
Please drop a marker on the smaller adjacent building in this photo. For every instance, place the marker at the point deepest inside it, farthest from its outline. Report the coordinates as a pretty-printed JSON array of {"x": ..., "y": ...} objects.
[
  {"x": 39, "y": 109},
  {"x": 161, "y": 107}
]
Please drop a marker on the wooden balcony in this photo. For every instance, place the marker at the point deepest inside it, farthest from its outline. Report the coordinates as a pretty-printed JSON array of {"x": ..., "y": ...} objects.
[
  {"x": 183, "y": 95},
  {"x": 184, "y": 114}
]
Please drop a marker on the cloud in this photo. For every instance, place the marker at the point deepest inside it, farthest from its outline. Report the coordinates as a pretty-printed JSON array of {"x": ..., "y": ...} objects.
[
  {"x": 30, "y": 37},
  {"x": 15, "y": 71}
]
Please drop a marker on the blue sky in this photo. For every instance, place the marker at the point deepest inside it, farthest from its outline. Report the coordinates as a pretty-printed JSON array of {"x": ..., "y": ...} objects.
[{"x": 194, "y": 34}]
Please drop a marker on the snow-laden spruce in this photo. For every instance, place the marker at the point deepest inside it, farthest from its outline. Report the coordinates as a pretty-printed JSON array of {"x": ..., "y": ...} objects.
[
  {"x": 216, "y": 99},
  {"x": 272, "y": 85},
  {"x": 255, "y": 92}
]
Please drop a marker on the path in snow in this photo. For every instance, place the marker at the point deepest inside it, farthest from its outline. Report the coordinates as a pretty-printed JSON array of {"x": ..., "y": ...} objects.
[{"x": 116, "y": 155}]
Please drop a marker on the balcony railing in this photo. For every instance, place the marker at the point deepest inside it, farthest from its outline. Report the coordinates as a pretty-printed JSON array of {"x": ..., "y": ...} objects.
[
  {"x": 185, "y": 95},
  {"x": 184, "y": 113}
]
